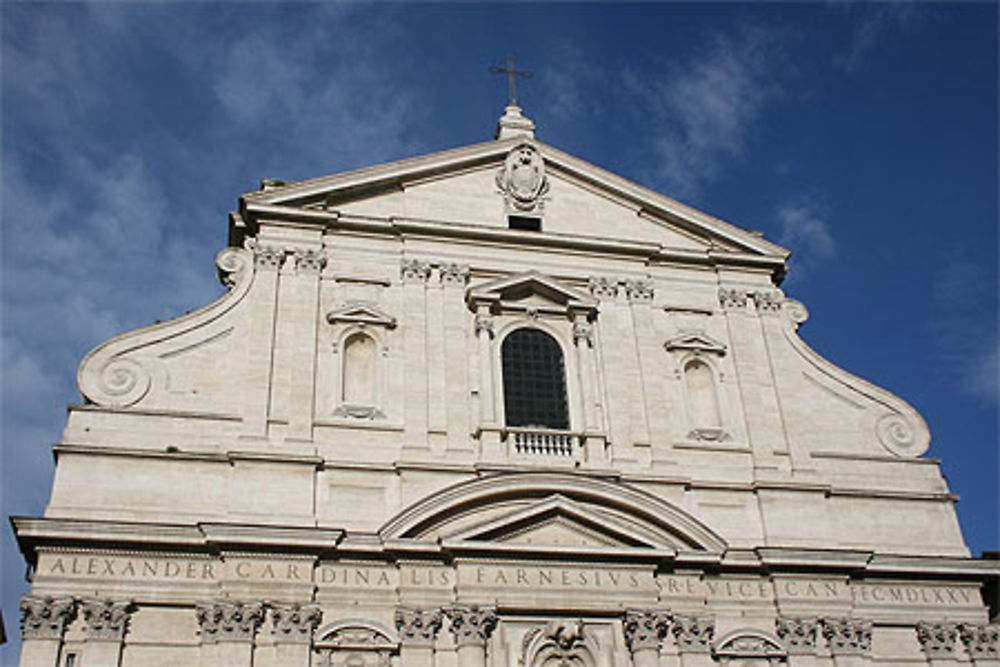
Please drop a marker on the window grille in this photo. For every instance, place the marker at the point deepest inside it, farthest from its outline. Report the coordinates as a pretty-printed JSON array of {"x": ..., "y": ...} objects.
[{"x": 534, "y": 381}]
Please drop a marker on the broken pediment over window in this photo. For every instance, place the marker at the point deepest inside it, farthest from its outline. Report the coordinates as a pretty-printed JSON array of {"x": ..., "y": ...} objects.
[
  {"x": 695, "y": 342},
  {"x": 530, "y": 292},
  {"x": 361, "y": 314}
]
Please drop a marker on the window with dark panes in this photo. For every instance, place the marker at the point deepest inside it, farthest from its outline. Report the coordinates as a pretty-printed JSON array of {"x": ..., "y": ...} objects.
[{"x": 534, "y": 380}]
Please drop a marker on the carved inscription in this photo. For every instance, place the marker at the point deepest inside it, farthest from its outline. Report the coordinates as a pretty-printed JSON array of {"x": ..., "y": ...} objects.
[
  {"x": 111, "y": 567},
  {"x": 534, "y": 577},
  {"x": 902, "y": 594}
]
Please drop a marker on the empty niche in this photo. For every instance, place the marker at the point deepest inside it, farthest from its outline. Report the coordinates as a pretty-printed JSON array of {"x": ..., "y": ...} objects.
[
  {"x": 358, "y": 379},
  {"x": 703, "y": 400}
]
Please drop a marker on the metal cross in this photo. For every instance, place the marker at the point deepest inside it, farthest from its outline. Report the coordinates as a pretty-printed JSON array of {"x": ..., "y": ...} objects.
[{"x": 511, "y": 74}]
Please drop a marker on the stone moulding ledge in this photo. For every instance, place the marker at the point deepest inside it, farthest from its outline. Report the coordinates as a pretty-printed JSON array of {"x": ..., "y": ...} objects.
[{"x": 491, "y": 469}]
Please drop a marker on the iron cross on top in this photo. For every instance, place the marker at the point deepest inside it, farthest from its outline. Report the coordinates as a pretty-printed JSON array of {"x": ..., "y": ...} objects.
[{"x": 511, "y": 75}]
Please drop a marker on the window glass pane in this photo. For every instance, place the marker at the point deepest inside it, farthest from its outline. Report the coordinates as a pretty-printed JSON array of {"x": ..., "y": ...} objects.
[{"x": 534, "y": 380}]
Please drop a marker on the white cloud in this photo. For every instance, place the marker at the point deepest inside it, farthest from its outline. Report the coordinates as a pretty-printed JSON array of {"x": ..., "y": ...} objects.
[
  {"x": 872, "y": 22},
  {"x": 708, "y": 105},
  {"x": 807, "y": 235}
]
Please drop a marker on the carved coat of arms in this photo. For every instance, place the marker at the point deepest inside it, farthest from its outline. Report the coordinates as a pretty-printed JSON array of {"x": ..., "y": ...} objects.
[{"x": 522, "y": 178}]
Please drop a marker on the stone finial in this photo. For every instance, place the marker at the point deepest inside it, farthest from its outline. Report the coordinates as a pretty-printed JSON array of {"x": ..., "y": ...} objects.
[
  {"x": 981, "y": 641},
  {"x": 848, "y": 636},
  {"x": 693, "y": 634},
  {"x": 644, "y": 629},
  {"x": 45, "y": 617},
  {"x": 418, "y": 626},
  {"x": 107, "y": 619},
  {"x": 472, "y": 624},
  {"x": 295, "y": 622},
  {"x": 514, "y": 124},
  {"x": 799, "y": 634},
  {"x": 225, "y": 620},
  {"x": 937, "y": 639}
]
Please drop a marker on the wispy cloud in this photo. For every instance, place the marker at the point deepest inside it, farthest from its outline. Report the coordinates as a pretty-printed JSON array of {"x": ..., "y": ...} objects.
[
  {"x": 871, "y": 24},
  {"x": 805, "y": 232},
  {"x": 707, "y": 106},
  {"x": 968, "y": 343}
]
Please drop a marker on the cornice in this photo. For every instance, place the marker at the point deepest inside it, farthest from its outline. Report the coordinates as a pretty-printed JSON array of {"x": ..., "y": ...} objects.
[{"x": 213, "y": 538}]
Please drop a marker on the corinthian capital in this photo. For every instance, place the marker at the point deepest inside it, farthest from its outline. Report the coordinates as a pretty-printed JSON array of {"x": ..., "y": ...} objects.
[
  {"x": 309, "y": 261},
  {"x": 414, "y": 271},
  {"x": 225, "y": 620},
  {"x": 472, "y": 624},
  {"x": 267, "y": 257},
  {"x": 418, "y": 626},
  {"x": 107, "y": 619},
  {"x": 295, "y": 622},
  {"x": 640, "y": 289},
  {"x": 937, "y": 639},
  {"x": 45, "y": 617},
  {"x": 644, "y": 629},
  {"x": 693, "y": 634},
  {"x": 454, "y": 274},
  {"x": 799, "y": 634},
  {"x": 848, "y": 636},
  {"x": 981, "y": 641}
]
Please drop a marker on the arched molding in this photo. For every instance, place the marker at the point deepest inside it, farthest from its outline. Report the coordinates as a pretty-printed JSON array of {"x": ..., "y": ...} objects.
[
  {"x": 642, "y": 508},
  {"x": 379, "y": 636},
  {"x": 749, "y": 643},
  {"x": 125, "y": 369}
]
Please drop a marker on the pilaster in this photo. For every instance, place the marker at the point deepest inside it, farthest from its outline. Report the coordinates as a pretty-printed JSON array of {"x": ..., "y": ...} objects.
[
  {"x": 255, "y": 381},
  {"x": 292, "y": 628},
  {"x": 227, "y": 631},
  {"x": 454, "y": 278},
  {"x": 418, "y": 630},
  {"x": 43, "y": 624},
  {"x": 414, "y": 274},
  {"x": 106, "y": 624},
  {"x": 295, "y": 375},
  {"x": 472, "y": 627},
  {"x": 644, "y": 630},
  {"x": 693, "y": 635}
]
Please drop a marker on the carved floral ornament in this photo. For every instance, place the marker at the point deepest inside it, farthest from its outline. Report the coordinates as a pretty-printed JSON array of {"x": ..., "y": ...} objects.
[
  {"x": 522, "y": 179},
  {"x": 44, "y": 617},
  {"x": 563, "y": 643}
]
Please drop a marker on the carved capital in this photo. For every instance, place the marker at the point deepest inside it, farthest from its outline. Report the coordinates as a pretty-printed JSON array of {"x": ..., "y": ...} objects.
[
  {"x": 693, "y": 634},
  {"x": 472, "y": 624},
  {"x": 583, "y": 332},
  {"x": 732, "y": 299},
  {"x": 644, "y": 629},
  {"x": 414, "y": 271},
  {"x": 107, "y": 619},
  {"x": 848, "y": 636},
  {"x": 295, "y": 622},
  {"x": 937, "y": 639},
  {"x": 45, "y": 617},
  {"x": 639, "y": 290},
  {"x": 603, "y": 288},
  {"x": 767, "y": 301},
  {"x": 309, "y": 261},
  {"x": 799, "y": 634},
  {"x": 484, "y": 322},
  {"x": 229, "y": 621},
  {"x": 981, "y": 641},
  {"x": 418, "y": 626},
  {"x": 454, "y": 274},
  {"x": 267, "y": 258}
]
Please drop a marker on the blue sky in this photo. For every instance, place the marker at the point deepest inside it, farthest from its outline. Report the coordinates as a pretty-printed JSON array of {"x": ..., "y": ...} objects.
[{"x": 861, "y": 136}]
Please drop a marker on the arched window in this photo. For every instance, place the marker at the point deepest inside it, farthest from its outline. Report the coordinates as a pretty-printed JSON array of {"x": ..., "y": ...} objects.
[
  {"x": 359, "y": 370},
  {"x": 534, "y": 380},
  {"x": 703, "y": 401}
]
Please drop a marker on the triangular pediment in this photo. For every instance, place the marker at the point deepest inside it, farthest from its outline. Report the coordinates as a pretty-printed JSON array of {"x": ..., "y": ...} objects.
[
  {"x": 531, "y": 290},
  {"x": 579, "y": 202},
  {"x": 557, "y": 523},
  {"x": 695, "y": 341},
  {"x": 361, "y": 313}
]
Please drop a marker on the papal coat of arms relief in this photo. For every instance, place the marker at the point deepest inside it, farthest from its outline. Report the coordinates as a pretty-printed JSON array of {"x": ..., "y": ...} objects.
[{"x": 522, "y": 179}]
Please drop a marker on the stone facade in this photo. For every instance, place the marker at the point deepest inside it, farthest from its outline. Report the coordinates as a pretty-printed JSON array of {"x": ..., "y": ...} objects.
[{"x": 346, "y": 460}]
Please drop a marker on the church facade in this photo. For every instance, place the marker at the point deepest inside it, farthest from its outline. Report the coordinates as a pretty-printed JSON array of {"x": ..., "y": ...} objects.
[{"x": 493, "y": 407}]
